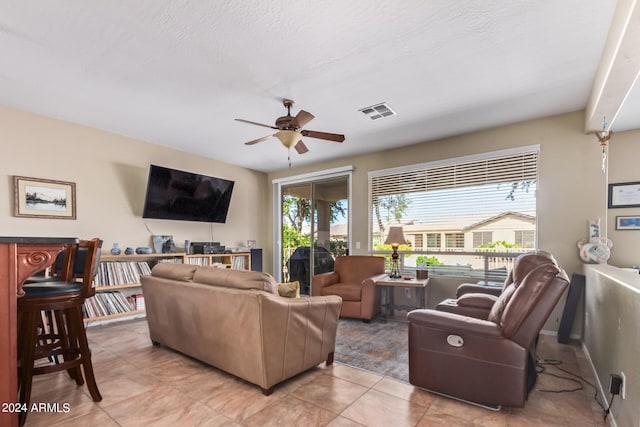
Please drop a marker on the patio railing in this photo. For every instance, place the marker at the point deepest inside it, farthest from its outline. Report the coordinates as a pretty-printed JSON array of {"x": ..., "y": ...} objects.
[{"x": 476, "y": 265}]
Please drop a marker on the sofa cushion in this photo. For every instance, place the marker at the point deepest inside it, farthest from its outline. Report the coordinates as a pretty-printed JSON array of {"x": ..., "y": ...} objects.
[
  {"x": 238, "y": 279},
  {"x": 289, "y": 289},
  {"x": 181, "y": 272},
  {"x": 347, "y": 291}
]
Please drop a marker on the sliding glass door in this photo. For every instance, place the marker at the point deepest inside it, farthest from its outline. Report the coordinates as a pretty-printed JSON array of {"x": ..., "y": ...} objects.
[{"x": 314, "y": 227}]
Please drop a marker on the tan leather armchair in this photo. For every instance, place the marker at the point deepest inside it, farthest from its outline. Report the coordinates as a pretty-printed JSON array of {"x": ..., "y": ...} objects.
[
  {"x": 484, "y": 361},
  {"x": 476, "y": 300},
  {"x": 352, "y": 279}
]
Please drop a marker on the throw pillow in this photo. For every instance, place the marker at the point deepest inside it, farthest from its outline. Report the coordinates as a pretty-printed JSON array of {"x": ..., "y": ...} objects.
[{"x": 289, "y": 289}]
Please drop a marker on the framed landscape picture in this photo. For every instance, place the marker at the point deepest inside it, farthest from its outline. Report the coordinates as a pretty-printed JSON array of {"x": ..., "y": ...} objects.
[
  {"x": 628, "y": 223},
  {"x": 44, "y": 198}
]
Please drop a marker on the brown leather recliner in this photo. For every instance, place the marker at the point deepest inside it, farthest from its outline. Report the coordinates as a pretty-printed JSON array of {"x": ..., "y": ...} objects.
[
  {"x": 476, "y": 300},
  {"x": 484, "y": 361},
  {"x": 352, "y": 279}
]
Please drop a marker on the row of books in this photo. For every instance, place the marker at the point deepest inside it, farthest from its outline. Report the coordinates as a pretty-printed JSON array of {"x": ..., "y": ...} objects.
[
  {"x": 121, "y": 272},
  {"x": 107, "y": 303},
  {"x": 170, "y": 260},
  {"x": 198, "y": 260},
  {"x": 237, "y": 262}
]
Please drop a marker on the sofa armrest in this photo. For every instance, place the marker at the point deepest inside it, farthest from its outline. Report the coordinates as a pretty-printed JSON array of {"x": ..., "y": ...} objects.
[
  {"x": 321, "y": 280},
  {"x": 297, "y": 333}
]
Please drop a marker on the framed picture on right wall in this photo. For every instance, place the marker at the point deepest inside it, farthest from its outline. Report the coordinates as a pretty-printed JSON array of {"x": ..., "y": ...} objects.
[
  {"x": 624, "y": 195},
  {"x": 628, "y": 223}
]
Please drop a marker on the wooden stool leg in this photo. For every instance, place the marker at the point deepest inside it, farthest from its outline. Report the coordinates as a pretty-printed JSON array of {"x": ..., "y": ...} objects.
[
  {"x": 77, "y": 323},
  {"x": 63, "y": 336},
  {"x": 71, "y": 349}
]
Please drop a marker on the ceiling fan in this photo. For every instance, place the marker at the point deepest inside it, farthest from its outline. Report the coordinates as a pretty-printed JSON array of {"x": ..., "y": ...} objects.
[{"x": 290, "y": 130}]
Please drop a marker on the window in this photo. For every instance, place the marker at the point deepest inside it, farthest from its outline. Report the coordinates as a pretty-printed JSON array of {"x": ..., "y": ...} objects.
[
  {"x": 481, "y": 238},
  {"x": 481, "y": 203},
  {"x": 525, "y": 238},
  {"x": 454, "y": 240},
  {"x": 434, "y": 241},
  {"x": 417, "y": 239}
]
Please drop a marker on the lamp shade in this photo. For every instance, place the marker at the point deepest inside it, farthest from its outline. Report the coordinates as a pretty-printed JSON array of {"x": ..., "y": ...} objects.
[
  {"x": 289, "y": 138},
  {"x": 395, "y": 236}
]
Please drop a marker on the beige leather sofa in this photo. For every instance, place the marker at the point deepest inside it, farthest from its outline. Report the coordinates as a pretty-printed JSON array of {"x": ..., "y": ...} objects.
[{"x": 236, "y": 321}]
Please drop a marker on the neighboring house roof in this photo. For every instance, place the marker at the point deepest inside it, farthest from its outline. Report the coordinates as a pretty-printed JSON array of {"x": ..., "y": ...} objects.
[{"x": 495, "y": 218}]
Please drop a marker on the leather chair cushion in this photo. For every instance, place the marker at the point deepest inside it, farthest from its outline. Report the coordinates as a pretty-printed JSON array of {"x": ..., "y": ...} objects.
[
  {"x": 347, "y": 291},
  {"x": 238, "y": 279},
  {"x": 537, "y": 282},
  {"x": 51, "y": 289},
  {"x": 495, "y": 315}
]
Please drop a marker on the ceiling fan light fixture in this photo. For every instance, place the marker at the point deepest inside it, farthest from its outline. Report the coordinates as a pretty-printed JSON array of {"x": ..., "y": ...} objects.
[{"x": 288, "y": 138}]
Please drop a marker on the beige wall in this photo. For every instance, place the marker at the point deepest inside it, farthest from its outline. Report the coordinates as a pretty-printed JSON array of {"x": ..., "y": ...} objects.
[
  {"x": 624, "y": 159},
  {"x": 611, "y": 338},
  {"x": 110, "y": 172},
  {"x": 571, "y": 188}
]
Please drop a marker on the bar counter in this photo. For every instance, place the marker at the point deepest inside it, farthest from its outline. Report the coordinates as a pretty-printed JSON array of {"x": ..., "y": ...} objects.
[{"x": 20, "y": 257}]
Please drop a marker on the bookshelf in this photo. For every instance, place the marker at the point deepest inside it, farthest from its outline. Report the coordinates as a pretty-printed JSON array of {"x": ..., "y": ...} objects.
[{"x": 117, "y": 283}]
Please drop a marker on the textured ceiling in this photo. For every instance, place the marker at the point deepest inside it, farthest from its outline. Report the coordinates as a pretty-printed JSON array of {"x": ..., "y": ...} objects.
[{"x": 177, "y": 73}]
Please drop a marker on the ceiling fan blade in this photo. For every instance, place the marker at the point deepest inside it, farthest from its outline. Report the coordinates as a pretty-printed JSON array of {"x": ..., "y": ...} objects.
[
  {"x": 300, "y": 147},
  {"x": 256, "y": 123},
  {"x": 301, "y": 119},
  {"x": 255, "y": 141},
  {"x": 323, "y": 135}
]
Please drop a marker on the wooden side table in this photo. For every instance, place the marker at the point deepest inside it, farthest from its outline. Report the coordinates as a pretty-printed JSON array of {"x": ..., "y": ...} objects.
[{"x": 388, "y": 285}]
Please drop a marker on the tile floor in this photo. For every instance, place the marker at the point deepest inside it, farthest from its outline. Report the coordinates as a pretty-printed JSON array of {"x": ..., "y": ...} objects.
[{"x": 144, "y": 385}]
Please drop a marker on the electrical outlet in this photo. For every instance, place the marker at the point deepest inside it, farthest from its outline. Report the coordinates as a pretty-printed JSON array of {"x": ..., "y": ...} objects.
[
  {"x": 615, "y": 384},
  {"x": 623, "y": 386},
  {"x": 407, "y": 293}
]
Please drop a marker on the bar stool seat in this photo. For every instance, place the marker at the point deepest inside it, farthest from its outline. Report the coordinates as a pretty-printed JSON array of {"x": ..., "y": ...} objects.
[
  {"x": 51, "y": 289},
  {"x": 68, "y": 349}
]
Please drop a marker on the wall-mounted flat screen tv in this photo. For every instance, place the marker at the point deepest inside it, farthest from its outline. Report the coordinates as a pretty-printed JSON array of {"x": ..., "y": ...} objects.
[{"x": 179, "y": 195}]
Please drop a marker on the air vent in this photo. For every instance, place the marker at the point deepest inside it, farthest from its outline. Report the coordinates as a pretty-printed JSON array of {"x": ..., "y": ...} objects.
[{"x": 378, "y": 111}]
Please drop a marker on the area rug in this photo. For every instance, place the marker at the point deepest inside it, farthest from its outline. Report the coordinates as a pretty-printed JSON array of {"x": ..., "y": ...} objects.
[{"x": 376, "y": 346}]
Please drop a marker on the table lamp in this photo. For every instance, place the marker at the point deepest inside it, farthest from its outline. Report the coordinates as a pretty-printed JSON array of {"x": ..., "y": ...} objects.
[{"x": 395, "y": 238}]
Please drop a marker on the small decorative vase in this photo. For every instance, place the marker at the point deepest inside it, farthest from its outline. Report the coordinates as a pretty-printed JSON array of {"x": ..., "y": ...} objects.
[
  {"x": 116, "y": 249},
  {"x": 157, "y": 244},
  {"x": 128, "y": 251},
  {"x": 143, "y": 250}
]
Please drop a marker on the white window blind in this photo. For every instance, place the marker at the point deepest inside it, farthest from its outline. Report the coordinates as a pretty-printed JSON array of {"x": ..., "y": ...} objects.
[{"x": 494, "y": 194}]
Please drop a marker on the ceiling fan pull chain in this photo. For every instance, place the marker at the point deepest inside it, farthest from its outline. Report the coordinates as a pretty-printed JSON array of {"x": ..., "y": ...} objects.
[{"x": 289, "y": 157}]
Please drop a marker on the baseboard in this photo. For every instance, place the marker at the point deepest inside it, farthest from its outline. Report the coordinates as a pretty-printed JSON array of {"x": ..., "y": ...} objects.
[
  {"x": 555, "y": 334},
  {"x": 601, "y": 392}
]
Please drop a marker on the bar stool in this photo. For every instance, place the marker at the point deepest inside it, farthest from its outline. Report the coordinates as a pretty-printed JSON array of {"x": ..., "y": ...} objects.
[{"x": 64, "y": 299}]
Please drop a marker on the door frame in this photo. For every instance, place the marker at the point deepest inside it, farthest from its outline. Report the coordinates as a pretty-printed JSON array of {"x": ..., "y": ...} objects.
[{"x": 345, "y": 171}]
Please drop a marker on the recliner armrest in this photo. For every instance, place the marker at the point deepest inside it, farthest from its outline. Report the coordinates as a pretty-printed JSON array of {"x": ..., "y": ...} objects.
[
  {"x": 472, "y": 305},
  {"x": 454, "y": 324},
  {"x": 477, "y": 300},
  {"x": 468, "y": 288}
]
